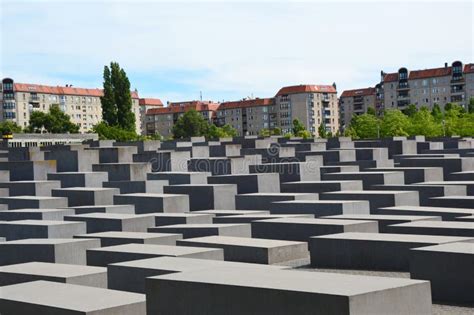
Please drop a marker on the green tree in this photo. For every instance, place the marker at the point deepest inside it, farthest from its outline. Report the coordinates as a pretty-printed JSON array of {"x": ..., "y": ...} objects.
[
  {"x": 363, "y": 126},
  {"x": 117, "y": 100},
  {"x": 470, "y": 106},
  {"x": 297, "y": 126},
  {"x": 322, "y": 131},
  {"x": 8, "y": 126},
  {"x": 190, "y": 124},
  {"x": 394, "y": 123},
  {"x": 423, "y": 123},
  {"x": 371, "y": 111},
  {"x": 107, "y": 132},
  {"x": 411, "y": 110},
  {"x": 437, "y": 113},
  {"x": 55, "y": 121},
  {"x": 276, "y": 131}
]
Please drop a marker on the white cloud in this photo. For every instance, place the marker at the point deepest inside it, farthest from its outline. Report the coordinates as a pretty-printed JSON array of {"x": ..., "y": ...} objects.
[{"x": 232, "y": 49}]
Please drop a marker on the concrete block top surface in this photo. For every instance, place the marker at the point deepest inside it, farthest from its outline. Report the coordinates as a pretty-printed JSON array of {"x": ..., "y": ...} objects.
[
  {"x": 179, "y": 264},
  {"x": 154, "y": 249},
  {"x": 38, "y": 222},
  {"x": 183, "y": 214},
  {"x": 28, "y": 210},
  {"x": 280, "y": 195},
  {"x": 370, "y": 192},
  {"x": 111, "y": 216},
  {"x": 313, "y": 221},
  {"x": 241, "y": 241},
  {"x": 94, "y": 189},
  {"x": 218, "y": 213},
  {"x": 456, "y": 248},
  {"x": 392, "y": 237},
  {"x": 39, "y": 198},
  {"x": 150, "y": 195},
  {"x": 68, "y": 296},
  {"x": 381, "y": 217},
  {"x": 289, "y": 280},
  {"x": 437, "y": 224},
  {"x": 428, "y": 208},
  {"x": 52, "y": 269},
  {"x": 126, "y": 235},
  {"x": 202, "y": 225},
  {"x": 47, "y": 241}
]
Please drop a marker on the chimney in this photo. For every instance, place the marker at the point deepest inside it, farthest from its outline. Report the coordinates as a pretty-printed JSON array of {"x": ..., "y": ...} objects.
[{"x": 445, "y": 64}]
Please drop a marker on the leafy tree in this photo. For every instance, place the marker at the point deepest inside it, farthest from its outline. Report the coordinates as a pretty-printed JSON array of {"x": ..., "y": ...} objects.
[
  {"x": 55, "y": 121},
  {"x": 371, "y": 111},
  {"x": 322, "y": 131},
  {"x": 229, "y": 131},
  {"x": 298, "y": 126},
  {"x": 363, "y": 126},
  {"x": 394, "y": 123},
  {"x": 288, "y": 135},
  {"x": 276, "y": 131},
  {"x": 305, "y": 134},
  {"x": 190, "y": 124},
  {"x": 423, "y": 123},
  {"x": 470, "y": 106},
  {"x": 410, "y": 111},
  {"x": 8, "y": 126},
  {"x": 437, "y": 113},
  {"x": 264, "y": 132},
  {"x": 117, "y": 100},
  {"x": 107, "y": 132}
]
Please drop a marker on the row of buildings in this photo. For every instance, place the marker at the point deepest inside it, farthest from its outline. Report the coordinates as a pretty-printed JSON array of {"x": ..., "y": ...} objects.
[
  {"x": 313, "y": 105},
  {"x": 449, "y": 84}
]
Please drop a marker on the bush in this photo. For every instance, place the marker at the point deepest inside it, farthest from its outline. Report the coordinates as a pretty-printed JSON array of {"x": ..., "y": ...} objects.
[{"x": 107, "y": 132}]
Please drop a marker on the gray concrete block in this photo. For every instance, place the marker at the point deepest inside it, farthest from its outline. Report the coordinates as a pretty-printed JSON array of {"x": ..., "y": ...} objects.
[
  {"x": 321, "y": 186},
  {"x": 104, "y": 222},
  {"x": 249, "y": 218},
  {"x": 35, "y": 214},
  {"x": 447, "y": 214},
  {"x": 448, "y": 228},
  {"x": 36, "y": 202},
  {"x": 448, "y": 267},
  {"x": 113, "y": 238},
  {"x": 199, "y": 230},
  {"x": 127, "y": 252},
  {"x": 150, "y": 203},
  {"x": 368, "y": 179},
  {"x": 414, "y": 174},
  {"x": 263, "y": 201},
  {"x": 320, "y": 208},
  {"x": 63, "y": 273},
  {"x": 180, "y": 178},
  {"x": 292, "y": 171},
  {"x": 65, "y": 251},
  {"x": 290, "y": 292},
  {"x": 29, "y": 170},
  {"x": 301, "y": 229},
  {"x": 123, "y": 209},
  {"x": 131, "y": 187},
  {"x": 182, "y": 218},
  {"x": 124, "y": 171},
  {"x": 251, "y": 250},
  {"x": 453, "y": 201},
  {"x": 250, "y": 183},
  {"x": 164, "y": 161},
  {"x": 221, "y": 213},
  {"x": 82, "y": 179},
  {"x": 130, "y": 276},
  {"x": 369, "y": 251},
  {"x": 30, "y": 188},
  {"x": 87, "y": 196},
  {"x": 26, "y": 229},
  {"x": 427, "y": 192},
  {"x": 206, "y": 196},
  {"x": 220, "y": 165},
  {"x": 73, "y": 160},
  {"x": 45, "y": 297}
]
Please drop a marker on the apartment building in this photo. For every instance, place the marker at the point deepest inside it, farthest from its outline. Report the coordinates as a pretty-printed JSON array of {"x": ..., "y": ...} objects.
[
  {"x": 146, "y": 104},
  {"x": 448, "y": 84},
  {"x": 356, "y": 102},
  {"x": 162, "y": 120},
  {"x": 83, "y": 105}
]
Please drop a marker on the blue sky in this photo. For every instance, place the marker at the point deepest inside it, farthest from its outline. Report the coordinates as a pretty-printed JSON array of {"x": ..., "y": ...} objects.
[{"x": 228, "y": 50}]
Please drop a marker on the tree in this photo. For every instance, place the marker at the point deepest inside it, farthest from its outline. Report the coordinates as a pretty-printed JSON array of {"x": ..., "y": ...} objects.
[
  {"x": 363, "y": 126},
  {"x": 225, "y": 131},
  {"x": 55, "y": 121},
  {"x": 107, "y": 132},
  {"x": 9, "y": 127},
  {"x": 190, "y": 124},
  {"x": 437, "y": 113},
  {"x": 423, "y": 123},
  {"x": 297, "y": 126},
  {"x": 411, "y": 110},
  {"x": 470, "y": 106},
  {"x": 371, "y": 111},
  {"x": 117, "y": 100},
  {"x": 394, "y": 123},
  {"x": 276, "y": 131},
  {"x": 322, "y": 131}
]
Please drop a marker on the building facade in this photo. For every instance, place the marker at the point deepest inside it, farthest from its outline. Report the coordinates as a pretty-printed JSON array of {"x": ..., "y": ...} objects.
[
  {"x": 356, "y": 102},
  {"x": 83, "y": 105},
  {"x": 449, "y": 84},
  {"x": 162, "y": 120}
]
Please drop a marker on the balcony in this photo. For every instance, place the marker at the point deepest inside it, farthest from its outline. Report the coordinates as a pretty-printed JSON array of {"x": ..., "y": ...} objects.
[
  {"x": 34, "y": 98},
  {"x": 403, "y": 86},
  {"x": 403, "y": 96},
  {"x": 458, "y": 80}
]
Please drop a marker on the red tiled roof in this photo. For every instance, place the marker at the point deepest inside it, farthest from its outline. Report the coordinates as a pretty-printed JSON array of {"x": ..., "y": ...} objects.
[
  {"x": 184, "y": 107},
  {"x": 296, "y": 89},
  {"x": 61, "y": 90},
  {"x": 358, "y": 92},
  {"x": 469, "y": 68},
  {"x": 151, "y": 102},
  {"x": 429, "y": 73},
  {"x": 248, "y": 103},
  {"x": 390, "y": 77}
]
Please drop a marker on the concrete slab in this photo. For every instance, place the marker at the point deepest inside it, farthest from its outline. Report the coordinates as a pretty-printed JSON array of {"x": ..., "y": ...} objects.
[
  {"x": 221, "y": 213},
  {"x": 31, "y": 188},
  {"x": 447, "y": 214},
  {"x": 249, "y": 183},
  {"x": 447, "y": 228},
  {"x": 180, "y": 178},
  {"x": 123, "y": 209},
  {"x": 37, "y": 202},
  {"x": 127, "y": 252},
  {"x": 35, "y": 214},
  {"x": 199, "y": 230},
  {"x": 151, "y": 203},
  {"x": 263, "y": 201},
  {"x": 80, "y": 179},
  {"x": 182, "y": 218},
  {"x": 113, "y": 238},
  {"x": 87, "y": 196},
  {"x": 320, "y": 208},
  {"x": 27, "y": 229},
  {"x": 321, "y": 186},
  {"x": 206, "y": 196},
  {"x": 103, "y": 222}
]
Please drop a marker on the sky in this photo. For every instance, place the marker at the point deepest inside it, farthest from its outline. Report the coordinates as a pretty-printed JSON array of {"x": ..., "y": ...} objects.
[{"x": 229, "y": 50}]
